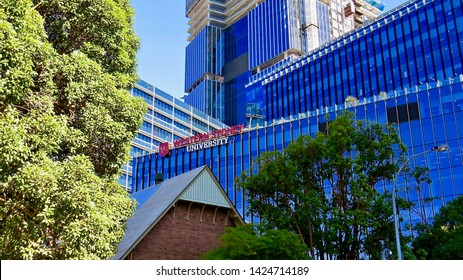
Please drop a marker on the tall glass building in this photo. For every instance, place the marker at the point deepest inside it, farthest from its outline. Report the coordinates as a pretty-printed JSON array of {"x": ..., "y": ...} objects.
[
  {"x": 403, "y": 68},
  {"x": 412, "y": 45},
  {"x": 232, "y": 40},
  {"x": 167, "y": 119}
]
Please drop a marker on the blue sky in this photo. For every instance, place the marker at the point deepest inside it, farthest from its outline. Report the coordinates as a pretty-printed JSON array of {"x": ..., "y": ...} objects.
[{"x": 162, "y": 28}]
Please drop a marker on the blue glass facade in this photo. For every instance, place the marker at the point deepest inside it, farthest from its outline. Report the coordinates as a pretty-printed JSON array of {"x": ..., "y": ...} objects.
[
  {"x": 418, "y": 44},
  {"x": 231, "y": 46},
  {"x": 270, "y": 31},
  {"x": 236, "y": 73},
  {"x": 323, "y": 11},
  {"x": 203, "y": 78},
  {"x": 204, "y": 56},
  {"x": 404, "y": 68},
  {"x": 427, "y": 116},
  {"x": 166, "y": 120}
]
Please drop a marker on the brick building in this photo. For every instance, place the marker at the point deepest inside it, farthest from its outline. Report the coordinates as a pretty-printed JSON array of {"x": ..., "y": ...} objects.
[{"x": 180, "y": 218}]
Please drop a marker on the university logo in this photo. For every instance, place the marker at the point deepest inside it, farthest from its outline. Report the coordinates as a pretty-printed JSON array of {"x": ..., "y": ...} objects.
[{"x": 164, "y": 149}]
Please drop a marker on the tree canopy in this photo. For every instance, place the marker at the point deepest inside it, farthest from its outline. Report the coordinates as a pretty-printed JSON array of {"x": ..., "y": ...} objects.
[
  {"x": 251, "y": 242},
  {"x": 324, "y": 189},
  {"x": 443, "y": 240},
  {"x": 66, "y": 125}
]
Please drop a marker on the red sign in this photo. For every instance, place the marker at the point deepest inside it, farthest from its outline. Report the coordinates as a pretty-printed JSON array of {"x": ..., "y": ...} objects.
[
  {"x": 201, "y": 141},
  {"x": 164, "y": 149},
  {"x": 216, "y": 134}
]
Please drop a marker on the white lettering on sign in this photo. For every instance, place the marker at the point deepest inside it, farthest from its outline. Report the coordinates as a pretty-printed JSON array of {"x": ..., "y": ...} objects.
[{"x": 207, "y": 144}]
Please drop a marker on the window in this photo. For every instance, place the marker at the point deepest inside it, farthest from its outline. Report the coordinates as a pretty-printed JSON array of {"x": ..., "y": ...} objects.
[{"x": 400, "y": 114}]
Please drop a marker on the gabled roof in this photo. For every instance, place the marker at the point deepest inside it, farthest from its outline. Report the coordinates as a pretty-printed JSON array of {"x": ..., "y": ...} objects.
[{"x": 198, "y": 185}]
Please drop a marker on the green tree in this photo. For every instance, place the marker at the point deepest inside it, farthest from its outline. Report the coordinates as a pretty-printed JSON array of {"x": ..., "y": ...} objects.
[
  {"x": 420, "y": 185},
  {"x": 324, "y": 189},
  {"x": 443, "y": 240},
  {"x": 66, "y": 124},
  {"x": 251, "y": 242},
  {"x": 101, "y": 29}
]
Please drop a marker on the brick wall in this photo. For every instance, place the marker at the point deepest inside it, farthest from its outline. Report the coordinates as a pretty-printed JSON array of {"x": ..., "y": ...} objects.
[{"x": 180, "y": 235}]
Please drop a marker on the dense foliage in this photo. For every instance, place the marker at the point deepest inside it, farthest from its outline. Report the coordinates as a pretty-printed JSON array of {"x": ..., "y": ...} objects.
[
  {"x": 66, "y": 124},
  {"x": 443, "y": 240},
  {"x": 249, "y": 242},
  {"x": 324, "y": 189}
]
